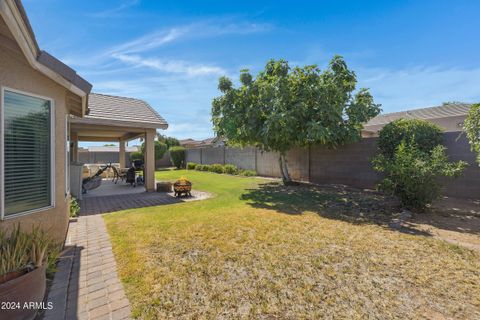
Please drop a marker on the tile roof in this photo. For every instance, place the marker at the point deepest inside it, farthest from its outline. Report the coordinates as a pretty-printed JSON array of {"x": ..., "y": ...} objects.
[
  {"x": 123, "y": 109},
  {"x": 50, "y": 61},
  {"x": 445, "y": 111}
]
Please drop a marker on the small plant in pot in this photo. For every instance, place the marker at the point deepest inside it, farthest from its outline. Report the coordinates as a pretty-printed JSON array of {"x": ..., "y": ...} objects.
[{"x": 23, "y": 262}]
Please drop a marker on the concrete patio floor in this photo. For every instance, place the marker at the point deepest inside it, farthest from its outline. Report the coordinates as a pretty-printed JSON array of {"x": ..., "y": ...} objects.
[{"x": 109, "y": 188}]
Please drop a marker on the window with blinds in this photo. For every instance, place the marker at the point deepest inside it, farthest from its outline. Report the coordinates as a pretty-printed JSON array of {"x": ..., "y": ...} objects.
[{"x": 27, "y": 156}]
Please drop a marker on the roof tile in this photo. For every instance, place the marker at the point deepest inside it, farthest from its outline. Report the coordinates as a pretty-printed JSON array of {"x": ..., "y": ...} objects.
[
  {"x": 447, "y": 110},
  {"x": 107, "y": 107}
]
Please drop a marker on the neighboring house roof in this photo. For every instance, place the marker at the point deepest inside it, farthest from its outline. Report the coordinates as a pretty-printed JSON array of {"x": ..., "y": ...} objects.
[
  {"x": 189, "y": 143},
  {"x": 107, "y": 109},
  {"x": 108, "y": 149},
  {"x": 14, "y": 15},
  {"x": 208, "y": 141},
  {"x": 202, "y": 143},
  {"x": 444, "y": 112}
]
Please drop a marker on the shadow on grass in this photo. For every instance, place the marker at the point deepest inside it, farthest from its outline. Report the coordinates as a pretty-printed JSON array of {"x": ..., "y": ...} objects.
[{"x": 332, "y": 201}]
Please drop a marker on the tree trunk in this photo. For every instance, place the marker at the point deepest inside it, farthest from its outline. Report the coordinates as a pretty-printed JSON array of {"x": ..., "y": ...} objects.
[{"x": 287, "y": 180}]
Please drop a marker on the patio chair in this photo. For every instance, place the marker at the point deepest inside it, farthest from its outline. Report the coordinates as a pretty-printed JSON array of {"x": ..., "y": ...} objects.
[
  {"x": 117, "y": 174},
  {"x": 130, "y": 177}
]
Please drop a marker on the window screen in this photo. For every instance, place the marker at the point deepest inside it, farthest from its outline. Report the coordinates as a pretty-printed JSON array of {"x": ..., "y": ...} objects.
[{"x": 27, "y": 153}]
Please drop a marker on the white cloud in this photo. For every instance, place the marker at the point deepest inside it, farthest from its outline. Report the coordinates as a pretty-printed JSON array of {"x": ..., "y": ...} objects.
[
  {"x": 150, "y": 41},
  {"x": 115, "y": 12},
  {"x": 171, "y": 66},
  {"x": 201, "y": 29}
]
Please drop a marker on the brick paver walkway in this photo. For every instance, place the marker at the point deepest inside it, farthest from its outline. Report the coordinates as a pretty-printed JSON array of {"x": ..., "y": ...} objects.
[{"x": 87, "y": 285}]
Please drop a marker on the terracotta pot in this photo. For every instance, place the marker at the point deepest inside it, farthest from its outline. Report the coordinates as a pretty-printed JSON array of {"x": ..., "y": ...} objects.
[
  {"x": 11, "y": 275},
  {"x": 18, "y": 295}
]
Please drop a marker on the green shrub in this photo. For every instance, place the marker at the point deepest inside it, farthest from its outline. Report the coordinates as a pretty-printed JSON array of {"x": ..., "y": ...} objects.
[
  {"x": 217, "y": 168},
  {"x": 74, "y": 208},
  {"x": 177, "y": 155},
  {"x": 231, "y": 169},
  {"x": 423, "y": 134},
  {"x": 20, "y": 250},
  {"x": 206, "y": 167},
  {"x": 137, "y": 155},
  {"x": 248, "y": 173},
  {"x": 191, "y": 165},
  {"x": 412, "y": 170},
  {"x": 202, "y": 167}
]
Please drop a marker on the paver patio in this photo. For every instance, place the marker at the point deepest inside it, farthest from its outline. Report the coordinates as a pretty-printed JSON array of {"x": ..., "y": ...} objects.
[{"x": 104, "y": 204}]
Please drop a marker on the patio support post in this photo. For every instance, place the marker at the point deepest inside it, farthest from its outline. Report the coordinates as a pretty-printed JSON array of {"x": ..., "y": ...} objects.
[
  {"x": 74, "y": 142},
  {"x": 150, "y": 160},
  {"x": 121, "y": 153}
]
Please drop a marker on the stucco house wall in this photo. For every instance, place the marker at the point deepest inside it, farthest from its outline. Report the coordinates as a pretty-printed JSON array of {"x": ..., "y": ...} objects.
[{"x": 16, "y": 73}]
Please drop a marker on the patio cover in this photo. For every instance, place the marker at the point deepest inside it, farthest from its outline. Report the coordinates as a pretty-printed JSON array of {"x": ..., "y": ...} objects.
[{"x": 119, "y": 119}]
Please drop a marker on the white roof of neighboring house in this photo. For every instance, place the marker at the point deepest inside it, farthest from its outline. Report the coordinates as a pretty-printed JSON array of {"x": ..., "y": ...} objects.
[
  {"x": 202, "y": 143},
  {"x": 446, "y": 111}
]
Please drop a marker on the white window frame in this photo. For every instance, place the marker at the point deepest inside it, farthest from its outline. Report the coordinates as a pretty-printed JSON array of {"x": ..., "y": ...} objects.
[
  {"x": 67, "y": 156},
  {"x": 2, "y": 156}
]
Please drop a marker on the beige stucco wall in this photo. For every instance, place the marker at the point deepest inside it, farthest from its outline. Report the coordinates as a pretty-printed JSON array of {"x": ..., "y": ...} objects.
[{"x": 16, "y": 73}]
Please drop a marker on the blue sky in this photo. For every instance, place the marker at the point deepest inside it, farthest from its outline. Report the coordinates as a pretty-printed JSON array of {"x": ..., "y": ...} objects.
[{"x": 411, "y": 54}]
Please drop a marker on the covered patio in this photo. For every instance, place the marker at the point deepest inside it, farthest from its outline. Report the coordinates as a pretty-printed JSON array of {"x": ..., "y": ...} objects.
[{"x": 119, "y": 119}]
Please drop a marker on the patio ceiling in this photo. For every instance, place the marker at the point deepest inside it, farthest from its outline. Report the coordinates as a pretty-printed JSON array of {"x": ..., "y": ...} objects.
[{"x": 92, "y": 131}]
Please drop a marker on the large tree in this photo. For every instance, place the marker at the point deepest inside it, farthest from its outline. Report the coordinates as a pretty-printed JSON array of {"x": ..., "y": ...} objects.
[{"x": 283, "y": 108}]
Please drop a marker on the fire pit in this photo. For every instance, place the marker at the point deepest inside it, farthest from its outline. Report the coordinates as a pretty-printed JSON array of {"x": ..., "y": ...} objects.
[{"x": 182, "y": 187}]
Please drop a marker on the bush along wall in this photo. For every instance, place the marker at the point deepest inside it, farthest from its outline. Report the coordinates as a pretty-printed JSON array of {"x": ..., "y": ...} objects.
[
  {"x": 177, "y": 155},
  {"x": 412, "y": 157},
  {"x": 218, "y": 168}
]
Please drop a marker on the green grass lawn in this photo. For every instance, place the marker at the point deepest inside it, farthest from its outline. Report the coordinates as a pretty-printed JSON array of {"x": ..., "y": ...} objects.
[{"x": 285, "y": 252}]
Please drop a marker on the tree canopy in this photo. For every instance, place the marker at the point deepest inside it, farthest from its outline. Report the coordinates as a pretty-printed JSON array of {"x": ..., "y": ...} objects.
[
  {"x": 160, "y": 149},
  {"x": 285, "y": 107},
  {"x": 169, "y": 141},
  {"x": 472, "y": 129}
]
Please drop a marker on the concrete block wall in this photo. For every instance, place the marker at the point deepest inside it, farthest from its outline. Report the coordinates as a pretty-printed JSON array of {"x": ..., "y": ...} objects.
[
  {"x": 267, "y": 164},
  {"x": 102, "y": 157},
  {"x": 348, "y": 165},
  {"x": 193, "y": 155},
  {"x": 164, "y": 162},
  {"x": 242, "y": 158},
  {"x": 468, "y": 185},
  {"x": 213, "y": 155}
]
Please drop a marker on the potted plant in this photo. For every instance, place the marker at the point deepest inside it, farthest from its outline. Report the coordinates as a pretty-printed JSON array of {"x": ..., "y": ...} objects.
[{"x": 23, "y": 259}]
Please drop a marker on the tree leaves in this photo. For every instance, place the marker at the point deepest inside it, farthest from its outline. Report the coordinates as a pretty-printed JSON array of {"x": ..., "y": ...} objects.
[
  {"x": 471, "y": 126},
  {"x": 283, "y": 107}
]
